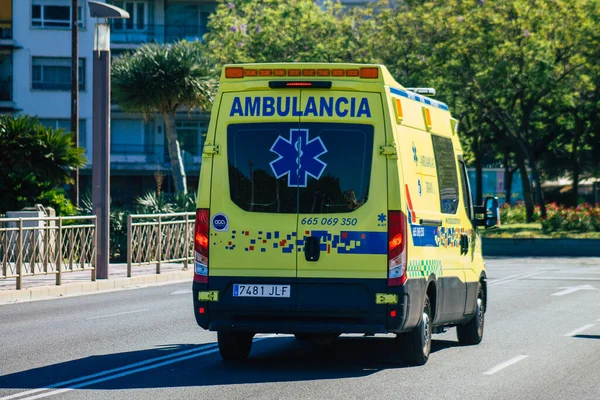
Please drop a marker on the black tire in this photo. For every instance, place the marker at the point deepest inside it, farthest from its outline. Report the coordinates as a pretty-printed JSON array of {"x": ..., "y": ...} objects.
[
  {"x": 416, "y": 344},
  {"x": 303, "y": 336},
  {"x": 234, "y": 346},
  {"x": 471, "y": 332}
]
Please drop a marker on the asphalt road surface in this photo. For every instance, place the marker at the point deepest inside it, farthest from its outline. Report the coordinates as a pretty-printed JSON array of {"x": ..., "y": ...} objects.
[{"x": 541, "y": 341}]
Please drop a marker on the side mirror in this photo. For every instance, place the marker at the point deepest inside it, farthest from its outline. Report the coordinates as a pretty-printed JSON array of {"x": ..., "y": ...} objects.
[{"x": 488, "y": 215}]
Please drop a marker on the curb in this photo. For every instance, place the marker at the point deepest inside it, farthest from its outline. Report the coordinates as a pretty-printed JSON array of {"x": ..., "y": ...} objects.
[
  {"x": 77, "y": 288},
  {"x": 541, "y": 247}
]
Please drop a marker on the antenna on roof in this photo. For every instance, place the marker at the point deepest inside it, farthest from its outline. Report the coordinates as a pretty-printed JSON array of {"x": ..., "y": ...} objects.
[{"x": 423, "y": 91}]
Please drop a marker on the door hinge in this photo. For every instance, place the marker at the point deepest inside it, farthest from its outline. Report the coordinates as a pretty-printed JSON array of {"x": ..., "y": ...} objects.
[
  {"x": 388, "y": 150},
  {"x": 210, "y": 150}
]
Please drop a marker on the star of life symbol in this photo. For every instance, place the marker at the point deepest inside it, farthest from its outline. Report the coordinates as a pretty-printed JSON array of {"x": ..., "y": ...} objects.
[
  {"x": 298, "y": 157},
  {"x": 414, "y": 149}
]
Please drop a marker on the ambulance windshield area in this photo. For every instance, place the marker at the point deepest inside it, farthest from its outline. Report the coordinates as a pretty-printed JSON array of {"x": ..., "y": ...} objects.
[{"x": 299, "y": 167}]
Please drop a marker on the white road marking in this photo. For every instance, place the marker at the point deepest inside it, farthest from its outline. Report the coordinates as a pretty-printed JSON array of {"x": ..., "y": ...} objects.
[
  {"x": 514, "y": 278},
  {"x": 505, "y": 364},
  {"x": 579, "y": 330},
  {"x": 572, "y": 289},
  {"x": 554, "y": 278},
  {"x": 110, "y": 371},
  {"x": 117, "y": 314},
  {"x": 186, "y": 291},
  {"x": 197, "y": 352}
]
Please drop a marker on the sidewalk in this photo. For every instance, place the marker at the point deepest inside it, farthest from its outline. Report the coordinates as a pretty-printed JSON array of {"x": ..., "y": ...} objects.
[{"x": 44, "y": 286}]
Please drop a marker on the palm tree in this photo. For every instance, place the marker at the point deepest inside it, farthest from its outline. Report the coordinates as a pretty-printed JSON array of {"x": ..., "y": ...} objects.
[
  {"x": 35, "y": 159},
  {"x": 163, "y": 79}
]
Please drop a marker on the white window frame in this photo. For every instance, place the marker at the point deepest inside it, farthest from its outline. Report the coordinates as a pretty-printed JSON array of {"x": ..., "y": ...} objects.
[
  {"x": 41, "y": 22},
  {"x": 67, "y": 62}
]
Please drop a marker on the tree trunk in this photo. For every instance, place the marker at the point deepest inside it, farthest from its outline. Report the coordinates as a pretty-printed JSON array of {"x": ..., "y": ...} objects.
[
  {"x": 178, "y": 172},
  {"x": 508, "y": 177},
  {"x": 478, "y": 180},
  {"x": 575, "y": 159},
  {"x": 527, "y": 195},
  {"x": 538, "y": 185}
]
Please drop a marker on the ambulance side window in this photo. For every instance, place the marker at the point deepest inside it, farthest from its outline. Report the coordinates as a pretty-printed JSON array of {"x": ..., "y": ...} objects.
[
  {"x": 467, "y": 198},
  {"x": 446, "y": 171}
]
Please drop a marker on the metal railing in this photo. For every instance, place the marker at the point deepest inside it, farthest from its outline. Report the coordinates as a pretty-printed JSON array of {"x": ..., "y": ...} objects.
[
  {"x": 160, "y": 238},
  {"x": 45, "y": 246},
  {"x": 148, "y": 154},
  {"x": 122, "y": 33}
]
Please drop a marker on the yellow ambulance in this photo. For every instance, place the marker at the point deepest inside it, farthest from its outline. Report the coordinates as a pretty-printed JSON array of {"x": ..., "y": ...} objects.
[{"x": 333, "y": 200}]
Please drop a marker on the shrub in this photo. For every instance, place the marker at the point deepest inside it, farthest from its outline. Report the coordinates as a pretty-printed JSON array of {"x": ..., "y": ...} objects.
[{"x": 583, "y": 218}]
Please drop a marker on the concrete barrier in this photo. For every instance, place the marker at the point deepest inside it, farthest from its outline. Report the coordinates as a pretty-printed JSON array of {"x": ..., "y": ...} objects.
[{"x": 541, "y": 247}]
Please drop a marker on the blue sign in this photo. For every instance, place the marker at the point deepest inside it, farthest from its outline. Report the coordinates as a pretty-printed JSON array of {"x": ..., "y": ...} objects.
[
  {"x": 267, "y": 106},
  {"x": 220, "y": 222},
  {"x": 298, "y": 157}
]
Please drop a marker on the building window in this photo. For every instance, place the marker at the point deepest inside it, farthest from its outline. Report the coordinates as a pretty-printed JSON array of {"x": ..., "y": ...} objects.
[
  {"x": 446, "y": 172},
  {"x": 131, "y": 136},
  {"x": 187, "y": 21},
  {"x": 138, "y": 16},
  {"x": 191, "y": 136},
  {"x": 50, "y": 73},
  {"x": 46, "y": 15},
  {"x": 6, "y": 72},
  {"x": 65, "y": 124}
]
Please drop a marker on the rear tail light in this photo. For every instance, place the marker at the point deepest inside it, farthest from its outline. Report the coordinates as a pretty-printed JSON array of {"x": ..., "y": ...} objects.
[
  {"x": 396, "y": 248},
  {"x": 201, "y": 240}
]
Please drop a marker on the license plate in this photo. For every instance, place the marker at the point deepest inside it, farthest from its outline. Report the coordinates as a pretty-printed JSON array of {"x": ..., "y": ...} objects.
[{"x": 242, "y": 290}]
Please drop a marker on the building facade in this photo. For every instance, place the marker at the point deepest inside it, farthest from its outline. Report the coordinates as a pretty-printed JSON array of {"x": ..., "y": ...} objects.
[{"x": 35, "y": 79}]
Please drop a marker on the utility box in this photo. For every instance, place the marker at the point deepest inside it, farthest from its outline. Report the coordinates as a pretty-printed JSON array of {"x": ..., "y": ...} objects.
[{"x": 34, "y": 233}]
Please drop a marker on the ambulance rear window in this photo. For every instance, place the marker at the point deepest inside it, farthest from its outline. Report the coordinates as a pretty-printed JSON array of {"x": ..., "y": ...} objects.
[{"x": 315, "y": 168}]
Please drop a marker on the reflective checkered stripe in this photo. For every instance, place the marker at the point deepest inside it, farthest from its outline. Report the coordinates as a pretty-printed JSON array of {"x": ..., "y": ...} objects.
[{"x": 424, "y": 268}]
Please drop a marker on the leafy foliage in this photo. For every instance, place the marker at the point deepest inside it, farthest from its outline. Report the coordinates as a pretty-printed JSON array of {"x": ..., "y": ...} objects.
[
  {"x": 162, "y": 78},
  {"x": 283, "y": 31},
  {"x": 56, "y": 199},
  {"x": 35, "y": 160}
]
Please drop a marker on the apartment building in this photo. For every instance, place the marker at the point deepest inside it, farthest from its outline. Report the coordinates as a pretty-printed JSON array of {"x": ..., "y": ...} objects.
[
  {"x": 7, "y": 45},
  {"x": 35, "y": 79},
  {"x": 138, "y": 145}
]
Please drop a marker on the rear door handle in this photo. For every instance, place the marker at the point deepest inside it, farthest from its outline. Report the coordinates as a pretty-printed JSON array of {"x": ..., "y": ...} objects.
[
  {"x": 464, "y": 244},
  {"x": 312, "y": 248}
]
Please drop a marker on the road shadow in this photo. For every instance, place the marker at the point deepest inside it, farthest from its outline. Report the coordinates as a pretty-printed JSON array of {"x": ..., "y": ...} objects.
[
  {"x": 587, "y": 336},
  {"x": 275, "y": 359}
]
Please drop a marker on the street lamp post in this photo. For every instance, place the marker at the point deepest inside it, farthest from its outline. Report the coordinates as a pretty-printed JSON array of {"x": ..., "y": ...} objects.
[{"x": 101, "y": 131}]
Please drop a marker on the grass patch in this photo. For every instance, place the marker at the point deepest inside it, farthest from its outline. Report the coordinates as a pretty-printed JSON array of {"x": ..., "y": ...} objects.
[{"x": 534, "y": 230}]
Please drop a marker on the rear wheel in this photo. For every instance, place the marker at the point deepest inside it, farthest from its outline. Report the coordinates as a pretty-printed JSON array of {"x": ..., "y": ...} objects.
[
  {"x": 234, "y": 346},
  {"x": 472, "y": 332},
  {"x": 416, "y": 344}
]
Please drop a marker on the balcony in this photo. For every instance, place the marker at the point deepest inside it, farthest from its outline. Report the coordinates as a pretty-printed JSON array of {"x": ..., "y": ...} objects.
[
  {"x": 155, "y": 33},
  {"x": 142, "y": 157},
  {"x": 5, "y": 30}
]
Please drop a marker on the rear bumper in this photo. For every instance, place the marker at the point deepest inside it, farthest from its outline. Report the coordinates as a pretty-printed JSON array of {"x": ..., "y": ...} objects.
[{"x": 315, "y": 306}]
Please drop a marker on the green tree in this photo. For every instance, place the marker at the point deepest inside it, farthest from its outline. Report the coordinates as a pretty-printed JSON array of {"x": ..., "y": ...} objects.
[
  {"x": 283, "y": 31},
  {"x": 164, "y": 79},
  {"x": 35, "y": 160},
  {"x": 503, "y": 59}
]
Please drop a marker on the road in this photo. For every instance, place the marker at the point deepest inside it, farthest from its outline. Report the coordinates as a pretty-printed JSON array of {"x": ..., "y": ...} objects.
[{"x": 541, "y": 341}]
